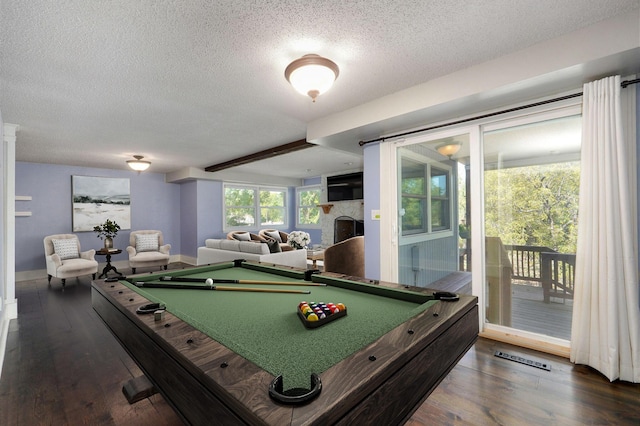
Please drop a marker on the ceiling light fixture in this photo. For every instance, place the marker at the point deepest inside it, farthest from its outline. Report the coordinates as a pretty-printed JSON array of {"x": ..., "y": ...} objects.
[
  {"x": 139, "y": 165},
  {"x": 312, "y": 75},
  {"x": 448, "y": 149}
]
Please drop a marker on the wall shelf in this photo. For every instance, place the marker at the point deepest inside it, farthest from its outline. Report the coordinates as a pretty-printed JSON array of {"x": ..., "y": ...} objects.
[
  {"x": 326, "y": 208},
  {"x": 23, "y": 198}
]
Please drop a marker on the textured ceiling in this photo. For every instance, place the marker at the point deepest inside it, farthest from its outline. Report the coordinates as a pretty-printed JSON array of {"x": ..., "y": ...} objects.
[{"x": 190, "y": 84}]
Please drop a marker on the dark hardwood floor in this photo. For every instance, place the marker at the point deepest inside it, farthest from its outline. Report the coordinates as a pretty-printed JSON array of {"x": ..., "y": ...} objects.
[{"x": 63, "y": 367}]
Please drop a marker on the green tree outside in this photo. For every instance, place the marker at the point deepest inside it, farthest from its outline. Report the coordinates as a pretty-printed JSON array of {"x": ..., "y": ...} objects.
[
  {"x": 308, "y": 211},
  {"x": 534, "y": 205},
  {"x": 240, "y": 204},
  {"x": 272, "y": 211}
]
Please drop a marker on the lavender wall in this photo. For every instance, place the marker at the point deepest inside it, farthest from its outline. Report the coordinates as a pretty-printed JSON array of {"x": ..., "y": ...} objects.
[
  {"x": 371, "y": 202},
  {"x": 189, "y": 218},
  {"x": 155, "y": 204},
  {"x": 210, "y": 210}
]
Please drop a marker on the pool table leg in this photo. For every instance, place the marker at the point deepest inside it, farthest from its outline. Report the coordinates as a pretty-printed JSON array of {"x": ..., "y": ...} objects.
[{"x": 138, "y": 389}]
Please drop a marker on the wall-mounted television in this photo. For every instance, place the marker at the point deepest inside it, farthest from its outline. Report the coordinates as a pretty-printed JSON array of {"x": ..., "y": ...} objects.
[{"x": 345, "y": 187}]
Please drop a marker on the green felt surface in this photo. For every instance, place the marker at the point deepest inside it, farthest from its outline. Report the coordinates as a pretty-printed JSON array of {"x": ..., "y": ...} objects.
[{"x": 265, "y": 329}]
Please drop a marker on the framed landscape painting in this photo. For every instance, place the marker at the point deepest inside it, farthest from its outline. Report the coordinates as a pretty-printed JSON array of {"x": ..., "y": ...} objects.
[{"x": 96, "y": 199}]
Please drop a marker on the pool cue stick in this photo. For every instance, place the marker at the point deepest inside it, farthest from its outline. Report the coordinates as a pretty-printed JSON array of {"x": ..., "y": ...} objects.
[
  {"x": 219, "y": 288},
  {"x": 225, "y": 281},
  {"x": 262, "y": 290}
]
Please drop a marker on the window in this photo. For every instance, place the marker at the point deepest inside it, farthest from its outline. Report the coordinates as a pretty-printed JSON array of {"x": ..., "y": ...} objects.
[
  {"x": 440, "y": 203},
  {"x": 239, "y": 207},
  {"x": 272, "y": 207},
  {"x": 425, "y": 196},
  {"x": 414, "y": 197},
  {"x": 308, "y": 198},
  {"x": 253, "y": 206}
]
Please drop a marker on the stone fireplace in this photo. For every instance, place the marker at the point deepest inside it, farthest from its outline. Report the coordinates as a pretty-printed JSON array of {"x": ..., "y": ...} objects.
[
  {"x": 352, "y": 209},
  {"x": 345, "y": 227}
]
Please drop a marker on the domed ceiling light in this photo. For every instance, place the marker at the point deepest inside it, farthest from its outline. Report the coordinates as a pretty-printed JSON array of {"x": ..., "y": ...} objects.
[
  {"x": 448, "y": 149},
  {"x": 312, "y": 75},
  {"x": 139, "y": 165}
]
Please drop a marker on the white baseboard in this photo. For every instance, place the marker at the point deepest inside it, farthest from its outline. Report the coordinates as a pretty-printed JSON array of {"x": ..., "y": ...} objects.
[
  {"x": 187, "y": 259},
  {"x": 120, "y": 264},
  {"x": 31, "y": 275},
  {"x": 9, "y": 312},
  {"x": 4, "y": 334}
]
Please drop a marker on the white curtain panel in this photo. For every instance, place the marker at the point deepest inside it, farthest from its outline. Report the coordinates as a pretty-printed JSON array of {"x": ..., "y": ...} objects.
[{"x": 606, "y": 314}]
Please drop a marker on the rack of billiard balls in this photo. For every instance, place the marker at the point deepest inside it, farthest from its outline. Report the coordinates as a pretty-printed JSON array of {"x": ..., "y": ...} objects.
[{"x": 314, "y": 314}]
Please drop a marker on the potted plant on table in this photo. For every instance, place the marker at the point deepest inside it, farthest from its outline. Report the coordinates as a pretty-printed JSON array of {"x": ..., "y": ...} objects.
[
  {"x": 107, "y": 231},
  {"x": 298, "y": 239}
]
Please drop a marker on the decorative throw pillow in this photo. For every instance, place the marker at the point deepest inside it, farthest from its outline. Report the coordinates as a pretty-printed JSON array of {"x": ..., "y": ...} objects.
[
  {"x": 275, "y": 235},
  {"x": 242, "y": 236},
  {"x": 274, "y": 246},
  {"x": 146, "y": 242},
  {"x": 66, "y": 249}
]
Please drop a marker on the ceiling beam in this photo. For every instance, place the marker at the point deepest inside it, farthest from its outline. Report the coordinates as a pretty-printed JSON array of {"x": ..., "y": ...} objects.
[{"x": 262, "y": 155}]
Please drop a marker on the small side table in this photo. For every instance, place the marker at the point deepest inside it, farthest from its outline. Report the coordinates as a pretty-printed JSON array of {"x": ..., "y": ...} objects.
[
  {"x": 314, "y": 256},
  {"x": 109, "y": 267}
]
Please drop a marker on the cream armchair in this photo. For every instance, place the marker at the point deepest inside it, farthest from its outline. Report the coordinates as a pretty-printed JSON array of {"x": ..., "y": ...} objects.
[
  {"x": 65, "y": 259},
  {"x": 147, "y": 249}
]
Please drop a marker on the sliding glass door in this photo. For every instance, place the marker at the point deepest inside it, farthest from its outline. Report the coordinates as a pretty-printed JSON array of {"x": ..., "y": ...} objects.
[
  {"x": 430, "y": 247},
  {"x": 494, "y": 203},
  {"x": 531, "y": 181}
]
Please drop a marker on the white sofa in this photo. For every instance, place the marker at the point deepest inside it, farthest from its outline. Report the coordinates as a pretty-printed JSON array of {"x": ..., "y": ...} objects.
[{"x": 216, "y": 251}]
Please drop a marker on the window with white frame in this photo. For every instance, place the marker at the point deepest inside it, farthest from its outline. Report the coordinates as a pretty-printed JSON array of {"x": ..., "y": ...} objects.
[
  {"x": 308, "y": 212},
  {"x": 425, "y": 196},
  {"x": 440, "y": 195},
  {"x": 254, "y": 206}
]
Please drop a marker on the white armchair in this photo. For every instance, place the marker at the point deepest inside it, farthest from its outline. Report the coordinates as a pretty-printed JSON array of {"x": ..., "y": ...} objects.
[
  {"x": 147, "y": 249},
  {"x": 65, "y": 259}
]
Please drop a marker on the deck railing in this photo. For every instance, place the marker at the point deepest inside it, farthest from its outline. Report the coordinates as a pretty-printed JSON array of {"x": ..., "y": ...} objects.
[
  {"x": 558, "y": 275},
  {"x": 526, "y": 261},
  {"x": 554, "y": 271}
]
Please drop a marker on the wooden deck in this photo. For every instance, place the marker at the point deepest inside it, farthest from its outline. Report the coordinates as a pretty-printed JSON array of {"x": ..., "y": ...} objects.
[{"x": 530, "y": 313}]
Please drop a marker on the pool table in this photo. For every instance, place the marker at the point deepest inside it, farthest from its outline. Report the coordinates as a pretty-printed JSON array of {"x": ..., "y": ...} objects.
[{"x": 246, "y": 357}]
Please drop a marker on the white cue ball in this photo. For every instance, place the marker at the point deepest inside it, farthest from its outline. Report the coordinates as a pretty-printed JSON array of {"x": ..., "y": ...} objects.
[{"x": 209, "y": 281}]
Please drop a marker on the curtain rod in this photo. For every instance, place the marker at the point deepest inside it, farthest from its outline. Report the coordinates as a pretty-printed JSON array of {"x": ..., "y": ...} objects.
[{"x": 491, "y": 114}]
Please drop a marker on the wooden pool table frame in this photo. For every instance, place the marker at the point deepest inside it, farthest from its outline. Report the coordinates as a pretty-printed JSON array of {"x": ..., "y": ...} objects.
[{"x": 206, "y": 383}]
